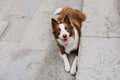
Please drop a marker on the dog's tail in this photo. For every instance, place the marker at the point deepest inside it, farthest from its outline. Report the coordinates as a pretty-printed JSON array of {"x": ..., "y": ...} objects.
[{"x": 58, "y": 11}]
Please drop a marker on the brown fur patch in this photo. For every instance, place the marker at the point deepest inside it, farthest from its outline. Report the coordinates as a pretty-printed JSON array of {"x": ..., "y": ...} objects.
[
  {"x": 76, "y": 18},
  {"x": 62, "y": 49},
  {"x": 55, "y": 29}
]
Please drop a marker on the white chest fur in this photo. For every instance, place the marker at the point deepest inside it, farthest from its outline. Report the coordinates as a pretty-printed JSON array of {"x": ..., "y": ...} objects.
[{"x": 73, "y": 43}]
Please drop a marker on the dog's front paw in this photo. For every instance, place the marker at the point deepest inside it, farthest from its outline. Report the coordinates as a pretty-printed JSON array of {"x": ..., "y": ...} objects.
[
  {"x": 67, "y": 67},
  {"x": 73, "y": 71}
]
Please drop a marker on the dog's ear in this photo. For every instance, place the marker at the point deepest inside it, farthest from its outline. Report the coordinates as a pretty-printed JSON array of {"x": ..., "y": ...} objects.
[
  {"x": 66, "y": 19},
  {"x": 54, "y": 22}
]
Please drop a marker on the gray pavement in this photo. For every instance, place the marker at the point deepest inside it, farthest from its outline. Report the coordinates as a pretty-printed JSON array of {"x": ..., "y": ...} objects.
[
  {"x": 28, "y": 50},
  {"x": 99, "y": 53}
]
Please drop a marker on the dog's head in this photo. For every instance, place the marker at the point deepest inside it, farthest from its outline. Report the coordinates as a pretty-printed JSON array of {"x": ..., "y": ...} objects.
[{"x": 62, "y": 31}]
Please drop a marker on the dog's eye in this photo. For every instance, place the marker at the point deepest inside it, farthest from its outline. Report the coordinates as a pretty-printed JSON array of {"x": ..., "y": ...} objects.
[
  {"x": 59, "y": 30},
  {"x": 58, "y": 33},
  {"x": 67, "y": 28},
  {"x": 54, "y": 32}
]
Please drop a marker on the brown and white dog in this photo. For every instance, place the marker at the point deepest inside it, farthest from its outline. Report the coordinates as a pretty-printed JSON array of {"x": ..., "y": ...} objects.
[{"x": 67, "y": 31}]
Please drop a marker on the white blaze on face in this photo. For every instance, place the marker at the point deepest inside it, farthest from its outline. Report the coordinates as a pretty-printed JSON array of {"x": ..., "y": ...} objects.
[
  {"x": 61, "y": 40},
  {"x": 63, "y": 31}
]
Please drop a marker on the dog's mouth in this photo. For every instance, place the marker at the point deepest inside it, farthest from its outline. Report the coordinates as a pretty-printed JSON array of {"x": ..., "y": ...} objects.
[{"x": 65, "y": 41}]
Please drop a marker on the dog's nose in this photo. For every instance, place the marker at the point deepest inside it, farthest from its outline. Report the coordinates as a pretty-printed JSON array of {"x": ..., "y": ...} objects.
[{"x": 64, "y": 36}]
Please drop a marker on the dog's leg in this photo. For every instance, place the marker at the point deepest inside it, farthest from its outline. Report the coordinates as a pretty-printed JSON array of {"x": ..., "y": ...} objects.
[
  {"x": 66, "y": 62},
  {"x": 74, "y": 66},
  {"x": 58, "y": 11}
]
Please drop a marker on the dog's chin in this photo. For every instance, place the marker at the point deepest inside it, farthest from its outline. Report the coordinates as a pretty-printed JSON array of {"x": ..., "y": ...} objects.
[{"x": 65, "y": 41}]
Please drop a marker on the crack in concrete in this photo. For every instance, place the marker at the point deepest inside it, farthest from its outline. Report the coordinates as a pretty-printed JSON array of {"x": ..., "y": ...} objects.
[
  {"x": 101, "y": 36},
  {"x": 5, "y": 30}
]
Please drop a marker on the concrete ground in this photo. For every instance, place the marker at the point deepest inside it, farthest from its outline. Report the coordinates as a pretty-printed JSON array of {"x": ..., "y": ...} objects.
[{"x": 28, "y": 50}]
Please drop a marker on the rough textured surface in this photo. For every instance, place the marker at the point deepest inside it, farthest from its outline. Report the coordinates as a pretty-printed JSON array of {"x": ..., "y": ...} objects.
[
  {"x": 103, "y": 18},
  {"x": 99, "y": 59},
  {"x": 99, "y": 53},
  {"x": 28, "y": 50}
]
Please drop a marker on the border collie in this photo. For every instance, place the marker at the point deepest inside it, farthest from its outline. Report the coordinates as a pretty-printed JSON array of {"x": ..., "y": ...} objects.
[{"x": 66, "y": 29}]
